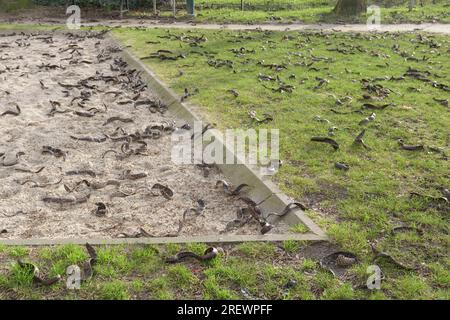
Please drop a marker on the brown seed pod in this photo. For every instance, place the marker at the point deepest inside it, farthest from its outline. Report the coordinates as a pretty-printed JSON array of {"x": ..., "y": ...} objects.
[
  {"x": 37, "y": 277},
  {"x": 344, "y": 261},
  {"x": 166, "y": 192},
  {"x": 209, "y": 254}
]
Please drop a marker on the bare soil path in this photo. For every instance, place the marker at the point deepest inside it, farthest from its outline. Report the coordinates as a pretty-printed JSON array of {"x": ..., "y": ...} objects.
[
  {"x": 426, "y": 27},
  {"x": 58, "y": 17}
]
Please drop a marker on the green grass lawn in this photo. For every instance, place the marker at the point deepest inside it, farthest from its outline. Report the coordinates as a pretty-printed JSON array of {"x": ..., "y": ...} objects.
[
  {"x": 246, "y": 271},
  {"x": 305, "y": 11}
]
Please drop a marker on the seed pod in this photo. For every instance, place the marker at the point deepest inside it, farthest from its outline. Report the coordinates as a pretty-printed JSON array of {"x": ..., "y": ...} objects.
[{"x": 343, "y": 261}]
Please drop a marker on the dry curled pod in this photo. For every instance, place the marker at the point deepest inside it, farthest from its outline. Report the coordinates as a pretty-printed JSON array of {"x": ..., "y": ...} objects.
[
  {"x": 443, "y": 102},
  {"x": 39, "y": 185},
  {"x": 58, "y": 153},
  {"x": 113, "y": 119},
  {"x": 446, "y": 193},
  {"x": 37, "y": 277},
  {"x": 337, "y": 261},
  {"x": 228, "y": 190},
  {"x": 127, "y": 175},
  {"x": 87, "y": 268},
  {"x": 200, "y": 207},
  {"x": 375, "y": 107},
  {"x": 10, "y": 159},
  {"x": 410, "y": 147},
  {"x": 101, "y": 209},
  {"x": 367, "y": 119},
  {"x": 399, "y": 229},
  {"x": 205, "y": 128},
  {"x": 379, "y": 255},
  {"x": 330, "y": 141},
  {"x": 243, "y": 216},
  {"x": 89, "y": 139},
  {"x": 288, "y": 209},
  {"x": 342, "y": 166},
  {"x": 359, "y": 139},
  {"x": 65, "y": 200},
  {"x": 209, "y": 254},
  {"x": 345, "y": 261},
  {"x": 431, "y": 198},
  {"x": 166, "y": 192},
  {"x": 266, "y": 227},
  {"x": 387, "y": 257},
  {"x": 12, "y": 112},
  {"x": 81, "y": 172},
  {"x": 267, "y": 117},
  {"x": 29, "y": 170}
]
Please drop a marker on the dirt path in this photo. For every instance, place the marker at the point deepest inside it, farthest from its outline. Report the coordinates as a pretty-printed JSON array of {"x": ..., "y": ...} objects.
[
  {"x": 428, "y": 27},
  {"x": 132, "y": 22},
  {"x": 65, "y": 100}
]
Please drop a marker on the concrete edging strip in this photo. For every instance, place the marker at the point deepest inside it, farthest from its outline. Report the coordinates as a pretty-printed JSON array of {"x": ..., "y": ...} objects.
[{"x": 198, "y": 239}]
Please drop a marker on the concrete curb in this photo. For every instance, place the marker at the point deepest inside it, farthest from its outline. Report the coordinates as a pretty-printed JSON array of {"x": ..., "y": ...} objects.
[
  {"x": 263, "y": 191},
  {"x": 428, "y": 27},
  {"x": 196, "y": 239}
]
